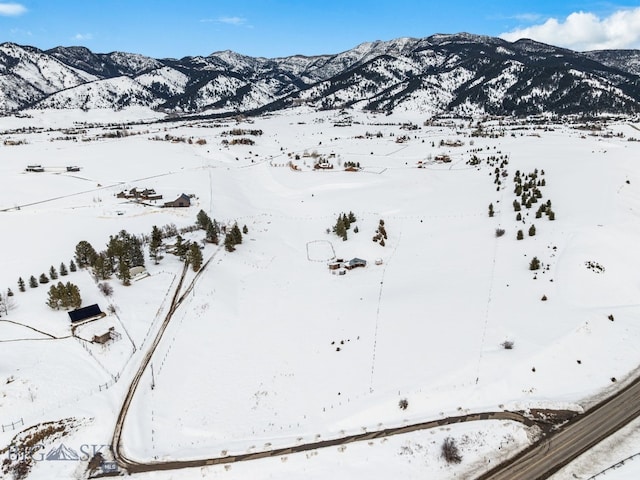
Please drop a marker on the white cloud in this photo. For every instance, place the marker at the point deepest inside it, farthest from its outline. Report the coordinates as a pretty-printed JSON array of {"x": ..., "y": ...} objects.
[
  {"x": 235, "y": 21},
  {"x": 12, "y": 9},
  {"x": 584, "y": 31},
  {"x": 82, "y": 36},
  {"x": 232, "y": 20}
]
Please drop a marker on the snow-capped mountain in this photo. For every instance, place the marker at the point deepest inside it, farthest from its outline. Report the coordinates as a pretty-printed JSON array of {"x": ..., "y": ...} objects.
[{"x": 459, "y": 73}]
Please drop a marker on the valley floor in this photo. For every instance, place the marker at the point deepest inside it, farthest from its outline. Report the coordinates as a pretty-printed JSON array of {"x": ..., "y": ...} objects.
[{"x": 271, "y": 348}]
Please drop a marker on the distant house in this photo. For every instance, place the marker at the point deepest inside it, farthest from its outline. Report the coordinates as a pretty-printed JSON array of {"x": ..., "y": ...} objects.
[
  {"x": 34, "y": 168},
  {"x": 135, "y": 194},
  {"x": 355, "y": 263},
  {"x": 92, "y": 312},
  {"x": 444, "y": 158},
  {"x": 182, "y": 201},
  {"x": 73, "y": 168}
]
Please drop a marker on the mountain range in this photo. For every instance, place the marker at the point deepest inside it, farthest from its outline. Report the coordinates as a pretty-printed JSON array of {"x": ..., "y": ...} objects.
[{"x": 460, "y": 73}]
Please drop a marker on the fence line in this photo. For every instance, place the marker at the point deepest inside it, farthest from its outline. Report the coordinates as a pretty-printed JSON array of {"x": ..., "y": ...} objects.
[
  {"x": 12, "y": 425},
  {"x": 614, "y": 466}
]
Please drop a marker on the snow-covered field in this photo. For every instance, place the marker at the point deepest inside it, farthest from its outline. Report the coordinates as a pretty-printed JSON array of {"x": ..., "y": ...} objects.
[{"x": 271, "y": 348}]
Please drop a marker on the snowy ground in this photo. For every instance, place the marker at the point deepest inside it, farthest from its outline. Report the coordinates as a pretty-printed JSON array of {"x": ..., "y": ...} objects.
[{"x": 271, "y": 349}]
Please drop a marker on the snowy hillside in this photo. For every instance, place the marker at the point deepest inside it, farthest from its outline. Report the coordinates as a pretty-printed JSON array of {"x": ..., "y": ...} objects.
[
  {"x": 113, "y": 93},
  {"x": 501, "y": 78}
]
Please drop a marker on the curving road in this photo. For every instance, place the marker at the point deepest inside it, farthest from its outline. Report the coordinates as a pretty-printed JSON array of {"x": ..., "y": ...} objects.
[
  {"x": 555, "y": 449},
  {"x": 560, "y": 447}
]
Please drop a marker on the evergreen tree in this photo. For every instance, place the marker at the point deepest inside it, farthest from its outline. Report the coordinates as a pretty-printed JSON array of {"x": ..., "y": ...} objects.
[
  {"x": 236, "y": 234},
  {"x": 552, "y": 215},
  {"x": 245, "y": 230},
  {"x": 229, "y": 244},
  {"x": 519, "y": 217},
  {"x": 63, "y": 270},
  {"x": 345, "y": 220},
  {"x": 73, "y": 296},
  {"x": 54, "y": 296},
  {"x": 53, "y": 274},
  {"x": 491, "y": 210},
  {"x": 352, "y": 217},
  {"x": 137, "y": 253},
  {"x": 21, "y": 284},
  {"x": 532, "y": 230},
  {"x": 124, "y": 273},
  {"x": 340, "y": 228},
  {"x": 102, "y": 266},
  {"x": 534, "y": 264},
  {"x": 43, "y": 278},
  {"x": 516, "y": 206},
  {"x": 72, "y": 266},
  {"x": 85, "y": 254},
  {"x": 155, "y": 244},
  {"x": 9, "y": 292},
  {"x": 181, "y": 248},
  {"x": 195, "y": 256},
  {"x": 355, "y": 229},
  {"x": 520, "y": 235},
  {"x": 202, "y": 220},
  {"x": 212, "y": 233},
  {"x": 33, "y": 282}
]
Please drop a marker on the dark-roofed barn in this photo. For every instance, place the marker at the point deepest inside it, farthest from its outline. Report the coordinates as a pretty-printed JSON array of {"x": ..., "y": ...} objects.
[{"x": 90, "y": 312}]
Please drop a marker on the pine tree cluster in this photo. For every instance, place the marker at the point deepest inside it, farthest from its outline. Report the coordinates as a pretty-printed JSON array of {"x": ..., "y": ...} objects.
[
  {"x": 211, "y": 227},
  {"x": 381, "y": 234},
  {"x": 123, "y": 252},
  {"x": 65, "y": 296},
  {"x": 233, "y": 238},
  {"x": 528, "y": 190},
  {"x": 343, "y": 224}
]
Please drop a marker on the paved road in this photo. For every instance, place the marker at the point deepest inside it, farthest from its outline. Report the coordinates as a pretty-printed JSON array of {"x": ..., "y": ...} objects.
[{"x": 559, "y": 448}]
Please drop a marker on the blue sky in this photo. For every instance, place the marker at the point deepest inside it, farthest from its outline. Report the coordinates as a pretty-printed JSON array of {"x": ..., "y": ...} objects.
[{"x": 271, "y": 28}]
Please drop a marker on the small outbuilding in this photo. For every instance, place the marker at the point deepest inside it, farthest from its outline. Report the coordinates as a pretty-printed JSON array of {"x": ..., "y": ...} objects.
[
  {"x": 91, "y": 312},
  {"x": 106, "y": 337}
]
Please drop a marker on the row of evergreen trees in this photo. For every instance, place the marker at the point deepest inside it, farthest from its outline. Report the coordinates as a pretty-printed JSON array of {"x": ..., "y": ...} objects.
[{"x": 43, "y": 279}]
